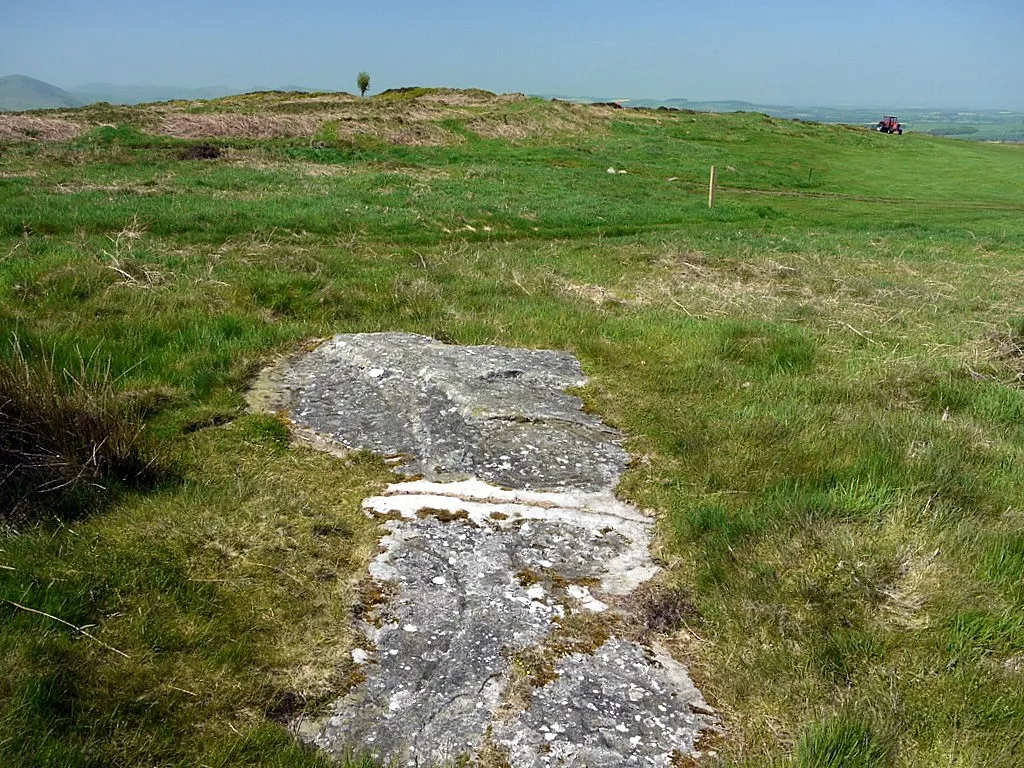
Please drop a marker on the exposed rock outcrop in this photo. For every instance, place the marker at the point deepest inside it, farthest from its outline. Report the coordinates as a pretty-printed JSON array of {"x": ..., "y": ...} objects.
[{"x": 507, "y": 558}]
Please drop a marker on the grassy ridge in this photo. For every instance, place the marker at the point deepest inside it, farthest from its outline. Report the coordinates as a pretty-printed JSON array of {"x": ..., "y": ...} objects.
[{"x": 818, "y": 378}]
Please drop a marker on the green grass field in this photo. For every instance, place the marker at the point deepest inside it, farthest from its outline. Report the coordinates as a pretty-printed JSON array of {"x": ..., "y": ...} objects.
[{"x": 821, "y": 380}]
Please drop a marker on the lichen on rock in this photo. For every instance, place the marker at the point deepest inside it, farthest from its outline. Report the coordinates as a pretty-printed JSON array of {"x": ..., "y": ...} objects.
[
  {"x": 448, "y": 413},
  {"x": 504, "y": 539}
]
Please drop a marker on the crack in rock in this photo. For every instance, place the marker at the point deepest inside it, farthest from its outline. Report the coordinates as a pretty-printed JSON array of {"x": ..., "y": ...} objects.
[{"x": 508, "y": 538}]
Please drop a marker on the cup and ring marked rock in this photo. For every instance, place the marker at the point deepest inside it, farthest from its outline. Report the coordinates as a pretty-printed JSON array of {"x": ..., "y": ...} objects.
[{"x": 507, "y": 558}]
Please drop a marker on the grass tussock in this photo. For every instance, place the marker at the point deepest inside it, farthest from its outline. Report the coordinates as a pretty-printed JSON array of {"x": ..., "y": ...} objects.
[
  {"x": 845, "y": 741},
  {"x": 69, "y": 439},
  {"x": 1008, "y": 349}
]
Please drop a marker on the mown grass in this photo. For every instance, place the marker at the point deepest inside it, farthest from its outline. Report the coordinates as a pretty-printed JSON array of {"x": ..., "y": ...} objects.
[{"x": 820, "y": 380}]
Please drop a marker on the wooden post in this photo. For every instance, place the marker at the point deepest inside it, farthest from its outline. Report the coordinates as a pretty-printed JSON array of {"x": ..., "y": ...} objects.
[{"x": 711, "y": 187}]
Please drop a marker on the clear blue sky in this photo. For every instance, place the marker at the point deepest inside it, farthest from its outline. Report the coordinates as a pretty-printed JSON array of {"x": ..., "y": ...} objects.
[{"x": 898, "y": 53}]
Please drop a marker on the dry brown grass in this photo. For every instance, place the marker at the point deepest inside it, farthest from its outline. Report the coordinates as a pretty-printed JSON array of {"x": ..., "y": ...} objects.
[
  {"x": 457, "y": 98},
  {"x": 544, "y": 121},
  {"x": 415, "y": 121},
  {"x": 121, "y": 259},
  {"x": 75, "y": 187},
  {"x": 27, "y": 127},
  {"x": 399, "y": 129},
  {"x": 601, "y": 297},
  {"x": 410, "y": 129},
  {"x": 864, "y": 296},
  {"x": 705, "y": 287},
  {"x": 919, "y": 576},
  {"x": 258, "y": 162},
  {"x": 233, "y": 125},
  {"x": 322, "y": 98},
  {"x": 1006, "y": 349},
  {"x": 319, "y": 171}
]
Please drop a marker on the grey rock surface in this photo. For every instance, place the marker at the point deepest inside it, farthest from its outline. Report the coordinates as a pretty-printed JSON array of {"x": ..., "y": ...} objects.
[
  {"x": 512, "y": 536},
  {"x": 447, "y": 412},
  {"x": 610, "y": 708}
]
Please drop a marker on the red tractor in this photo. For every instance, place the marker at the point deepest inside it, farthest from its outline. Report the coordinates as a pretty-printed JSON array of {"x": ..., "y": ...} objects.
[{"x": 889, "y": 124}]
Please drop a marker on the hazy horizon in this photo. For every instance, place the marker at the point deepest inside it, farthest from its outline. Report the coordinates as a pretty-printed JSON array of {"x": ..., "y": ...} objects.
[{"x": 913, "y": 54}]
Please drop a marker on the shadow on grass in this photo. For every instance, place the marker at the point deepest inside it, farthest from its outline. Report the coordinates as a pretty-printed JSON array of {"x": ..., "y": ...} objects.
[{"x": 70, "y": 441}]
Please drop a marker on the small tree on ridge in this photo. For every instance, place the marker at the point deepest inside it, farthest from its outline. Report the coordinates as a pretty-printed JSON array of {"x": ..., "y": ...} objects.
[{"x": 363, "y": 82}]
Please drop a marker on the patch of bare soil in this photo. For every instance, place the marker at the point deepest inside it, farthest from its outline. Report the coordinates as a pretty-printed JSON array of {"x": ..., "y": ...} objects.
[
  {"x": 27, "y": 127},
  {"x": 201, "y": 152}
]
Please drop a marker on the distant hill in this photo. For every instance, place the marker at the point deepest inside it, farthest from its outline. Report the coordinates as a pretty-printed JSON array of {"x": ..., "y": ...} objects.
[
  {"x": 18, "y": 92},
  {"x": 140, "y": 94},
  {"x": 817, "y": 114},
  {"x": 977, "y": 124}
]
